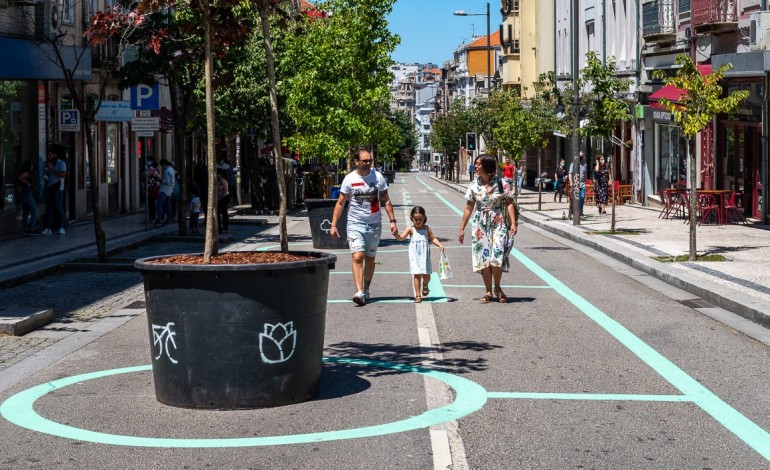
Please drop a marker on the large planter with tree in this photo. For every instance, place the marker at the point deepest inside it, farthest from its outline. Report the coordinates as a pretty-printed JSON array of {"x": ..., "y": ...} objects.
[
  {"x": 320, "y": 212},
  {"x": 229, "y": 336}
]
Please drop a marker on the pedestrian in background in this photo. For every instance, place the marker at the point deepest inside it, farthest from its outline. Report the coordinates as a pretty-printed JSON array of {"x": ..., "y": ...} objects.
[
  {"x": 470, "y": 171},
  {"x": 509, "y": 171},
  {"x": 519, "y": 177},
  {"x": 489, "y": 234},
  {"x": 195, "y": 210},
  {"x": 420, "y": 237},
  {"x": 55, "y": 173},
  {"x": 24, "y": 191},
  {"x": 559, "y": 175},
  {"x": 152, "y": 182},
  {"x": 223, "y": 198},
  {"x": 602, "y": 181},
  {"x": 167, "y": 182},
  {"x": 367, "y": 191}
]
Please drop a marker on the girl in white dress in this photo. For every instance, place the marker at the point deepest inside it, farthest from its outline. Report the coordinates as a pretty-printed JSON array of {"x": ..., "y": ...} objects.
[{"x": 420, "y": 237}]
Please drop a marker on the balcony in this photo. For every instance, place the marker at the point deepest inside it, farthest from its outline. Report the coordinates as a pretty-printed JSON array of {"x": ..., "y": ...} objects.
[
  {"x": 715, "y": 16},
  {"x": 658, "y": 21},
  {"x": 104, "y": 55}
]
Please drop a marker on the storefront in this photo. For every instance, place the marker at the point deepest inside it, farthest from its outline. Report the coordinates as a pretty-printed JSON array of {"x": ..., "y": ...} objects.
[{"x": 669, "y": 150}]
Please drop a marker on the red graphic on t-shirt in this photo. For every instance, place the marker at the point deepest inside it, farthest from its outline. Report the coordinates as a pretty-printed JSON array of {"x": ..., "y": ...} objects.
[{"x": 376, "y": 205}]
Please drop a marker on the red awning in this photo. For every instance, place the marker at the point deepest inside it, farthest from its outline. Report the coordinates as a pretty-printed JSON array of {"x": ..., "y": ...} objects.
[{"x": 672, "y": 93}]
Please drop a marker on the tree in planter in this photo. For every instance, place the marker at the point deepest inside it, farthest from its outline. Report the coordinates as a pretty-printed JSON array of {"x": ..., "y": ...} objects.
[
  {"x": 607, "y": 107},
  {"x": 542, "y": 120},
  {"x": 338, "y": 93},
  {"x": 701, "y": 100}
]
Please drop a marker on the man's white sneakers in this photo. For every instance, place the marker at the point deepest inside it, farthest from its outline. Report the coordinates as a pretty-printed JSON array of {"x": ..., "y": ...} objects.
[{"x": 359, "y": 298}]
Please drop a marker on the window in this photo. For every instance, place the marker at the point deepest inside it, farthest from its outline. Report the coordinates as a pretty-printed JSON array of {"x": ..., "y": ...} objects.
[
  {"x": 515, "y": 46},
  {"x": 684, "y": 6},
  {"x": 68, "y": 11},
  {"x": 671, "y": 157}
]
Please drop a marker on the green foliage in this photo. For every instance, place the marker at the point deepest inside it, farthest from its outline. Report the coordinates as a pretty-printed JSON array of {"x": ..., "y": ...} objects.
[
  {"x": 512, "y": 129},
  {"x": 397, "y": 139},
  {"x": 338, "y": 92},
  {"x": 448, "y": 130},
  {"x": 542, "y": 116},
  {"x": 603, "y": 97},
  {"x": 702, "y": 99}
]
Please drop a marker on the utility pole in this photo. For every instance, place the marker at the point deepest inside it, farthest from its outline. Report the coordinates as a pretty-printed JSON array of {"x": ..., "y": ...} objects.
[{"x": 575, "y": 115}]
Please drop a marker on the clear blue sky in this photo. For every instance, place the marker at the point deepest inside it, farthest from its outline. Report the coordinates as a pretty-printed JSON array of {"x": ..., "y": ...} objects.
[{"x": 430, "y": 33}]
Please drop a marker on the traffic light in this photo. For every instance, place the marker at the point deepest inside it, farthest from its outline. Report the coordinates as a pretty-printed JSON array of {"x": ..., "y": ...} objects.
[{"x": 470, "y": 141}]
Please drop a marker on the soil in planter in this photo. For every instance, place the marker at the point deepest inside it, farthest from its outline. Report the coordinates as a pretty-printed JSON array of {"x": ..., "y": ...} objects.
[{"x": 254, "y": 257}]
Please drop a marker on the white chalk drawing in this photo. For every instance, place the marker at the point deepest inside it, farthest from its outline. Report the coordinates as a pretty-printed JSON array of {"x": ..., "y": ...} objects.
[
  {"x": 161, "y": 337},
  {"x": 277, "y": 343},
  {"x": 326, "y": 225}
]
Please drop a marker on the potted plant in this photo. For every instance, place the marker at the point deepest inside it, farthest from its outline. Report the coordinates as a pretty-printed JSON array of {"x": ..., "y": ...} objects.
[{"x": 226, "y": 331}]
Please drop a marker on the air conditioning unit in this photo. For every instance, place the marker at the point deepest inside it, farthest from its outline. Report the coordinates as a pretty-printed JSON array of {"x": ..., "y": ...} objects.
[
  {"x": 759, "y": 31},
  {"x": 48, "y": 17}
]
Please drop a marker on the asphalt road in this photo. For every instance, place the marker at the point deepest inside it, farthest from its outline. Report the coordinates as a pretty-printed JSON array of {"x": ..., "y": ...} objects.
[{"x": 589, "y": 365}]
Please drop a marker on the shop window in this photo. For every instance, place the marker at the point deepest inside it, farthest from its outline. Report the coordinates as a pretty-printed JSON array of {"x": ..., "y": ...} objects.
[{"x": 671, "y": 157}]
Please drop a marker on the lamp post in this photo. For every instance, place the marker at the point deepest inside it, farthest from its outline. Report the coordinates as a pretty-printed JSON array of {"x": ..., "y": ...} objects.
[{"x": 489, "y": 47}]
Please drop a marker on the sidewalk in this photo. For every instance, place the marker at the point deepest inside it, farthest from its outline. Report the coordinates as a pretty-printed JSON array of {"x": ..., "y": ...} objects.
[{"x": 740, "y": 285}]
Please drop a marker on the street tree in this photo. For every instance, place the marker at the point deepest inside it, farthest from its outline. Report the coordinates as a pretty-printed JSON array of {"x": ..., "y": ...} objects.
[
  {"x": 543, "y": 120},
  {"x": 338, "y": 92},
  {"x": 397, "y": 140},
  {"x": 700, "y": 101},
  {"x": 512, "y": 127},
  {"x": 603, "y": 96},
  {"x": 448, "y": 132}
]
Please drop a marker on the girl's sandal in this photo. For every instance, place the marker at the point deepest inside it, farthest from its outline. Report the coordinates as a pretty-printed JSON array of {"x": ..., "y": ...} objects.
[
  {"x": 417, "y": 299},
  {"x": 486, "y": 299},
  {"x": 501, "y": 297}
]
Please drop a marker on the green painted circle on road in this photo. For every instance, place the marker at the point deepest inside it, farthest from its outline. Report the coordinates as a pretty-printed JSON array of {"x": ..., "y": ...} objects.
[{"x": 470, "y": 397}]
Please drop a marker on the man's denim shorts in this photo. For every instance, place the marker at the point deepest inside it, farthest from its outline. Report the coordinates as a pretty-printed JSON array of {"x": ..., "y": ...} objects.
[{"x": 364, "y": 237}]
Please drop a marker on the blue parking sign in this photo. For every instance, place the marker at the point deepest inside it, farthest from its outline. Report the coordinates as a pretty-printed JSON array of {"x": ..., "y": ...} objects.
[{"x": 145, "y": 96}]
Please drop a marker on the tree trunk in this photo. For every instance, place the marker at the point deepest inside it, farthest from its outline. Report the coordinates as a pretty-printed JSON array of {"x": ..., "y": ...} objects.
[
  {"x": 693, "y": 202},
  {"x": 211, "y": 246},
  {"x": 263, "y": 8},
  {"x": 101, "y": 243},
  {"x": 540, "y": 182}
]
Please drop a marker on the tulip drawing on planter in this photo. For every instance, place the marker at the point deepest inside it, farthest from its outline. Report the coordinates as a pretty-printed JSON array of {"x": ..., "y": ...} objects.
[{"x": 277, "y": 343}]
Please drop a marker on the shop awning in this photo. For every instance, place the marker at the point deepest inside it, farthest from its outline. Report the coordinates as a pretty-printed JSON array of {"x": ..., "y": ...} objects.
[{"x": 672, "y": 93}]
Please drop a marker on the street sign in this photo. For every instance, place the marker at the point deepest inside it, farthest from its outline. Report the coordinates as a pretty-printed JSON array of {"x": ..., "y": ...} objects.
[
  {"x": 69, "y": 120},
  {"x": 114, "y": 111},
  {"x": 145, "y": 97},
  {"x": 147, "y": 124},
  {"x": 145, "y": 134}
]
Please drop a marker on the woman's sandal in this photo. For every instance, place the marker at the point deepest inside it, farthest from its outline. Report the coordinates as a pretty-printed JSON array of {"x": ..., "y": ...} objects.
[
  {"x": 417, "y": 299},
  {"x": 486, "y": 299},
  {"x": 501, "y": 297},
  {"x": 425, "y": 291}
]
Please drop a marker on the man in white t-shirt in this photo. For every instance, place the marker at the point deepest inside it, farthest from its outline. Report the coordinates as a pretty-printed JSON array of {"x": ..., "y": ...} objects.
[{"x": 367, "y": 191}]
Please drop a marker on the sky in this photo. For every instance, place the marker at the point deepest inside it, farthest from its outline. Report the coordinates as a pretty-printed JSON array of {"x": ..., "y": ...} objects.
[{"x": 431, "y": 33}]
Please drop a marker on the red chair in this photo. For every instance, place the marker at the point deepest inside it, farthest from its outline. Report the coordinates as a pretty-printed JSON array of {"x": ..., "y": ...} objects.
[
  {"x": 665, "y": 212},
  {"x": 707, "y": 206},
  {"x": 732, "y": 207}
]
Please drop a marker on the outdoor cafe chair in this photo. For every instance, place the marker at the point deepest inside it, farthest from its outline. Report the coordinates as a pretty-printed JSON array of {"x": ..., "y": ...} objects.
[
  {"x": 665, "y": 212},
  {"x": 731, "y": 206},
  {"x": 707, "y": 207}
]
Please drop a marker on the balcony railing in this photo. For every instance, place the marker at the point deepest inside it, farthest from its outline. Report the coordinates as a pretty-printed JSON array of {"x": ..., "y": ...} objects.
[
  {"x": 658, "y": 18},
  {"x": 103, "y": 54},
  {"x": 714, "y": 14}
]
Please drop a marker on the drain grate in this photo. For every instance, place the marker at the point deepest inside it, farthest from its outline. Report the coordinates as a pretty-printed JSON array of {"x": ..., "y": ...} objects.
[{"x": 696, "y": 303}]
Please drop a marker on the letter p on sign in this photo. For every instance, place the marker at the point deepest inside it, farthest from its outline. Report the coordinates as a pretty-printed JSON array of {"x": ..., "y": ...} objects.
[{"x": 145, "y": 97}]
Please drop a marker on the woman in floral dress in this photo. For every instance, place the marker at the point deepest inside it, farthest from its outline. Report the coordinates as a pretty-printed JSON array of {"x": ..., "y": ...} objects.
[
  {"x": 602, "y": 175},
  {"x": 489, "y": 233}
]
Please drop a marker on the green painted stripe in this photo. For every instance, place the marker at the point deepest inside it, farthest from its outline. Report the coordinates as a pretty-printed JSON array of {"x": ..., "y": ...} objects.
[
  {"x": 436, "y": 296},
  {"x": 424, "y": 183},
  {"x": 746, "y": 430},
  {"x": 588, "y": 396},
  {"x": 504, "y": 286}
]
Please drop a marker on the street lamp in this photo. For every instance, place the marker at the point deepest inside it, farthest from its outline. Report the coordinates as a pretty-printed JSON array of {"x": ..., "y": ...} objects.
[{"x": 489, "y": 48}]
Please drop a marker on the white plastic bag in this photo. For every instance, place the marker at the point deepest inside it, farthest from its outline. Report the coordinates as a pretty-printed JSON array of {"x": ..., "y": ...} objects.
[{"x": 444, "y": 270}]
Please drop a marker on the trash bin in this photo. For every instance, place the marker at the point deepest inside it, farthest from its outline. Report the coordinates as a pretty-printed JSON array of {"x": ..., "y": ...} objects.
[
  {"x": 335, "y": 192},
  {"x": 390, "y": 176},
  {"x": 320, "y": 213}
]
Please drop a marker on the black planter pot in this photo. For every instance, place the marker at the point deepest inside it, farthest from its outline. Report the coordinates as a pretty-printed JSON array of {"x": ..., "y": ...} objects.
[
  {"x": 320, "y": 213},
  {"x": 237, "y": 336},
  {"x": 390, "y": 176}
]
